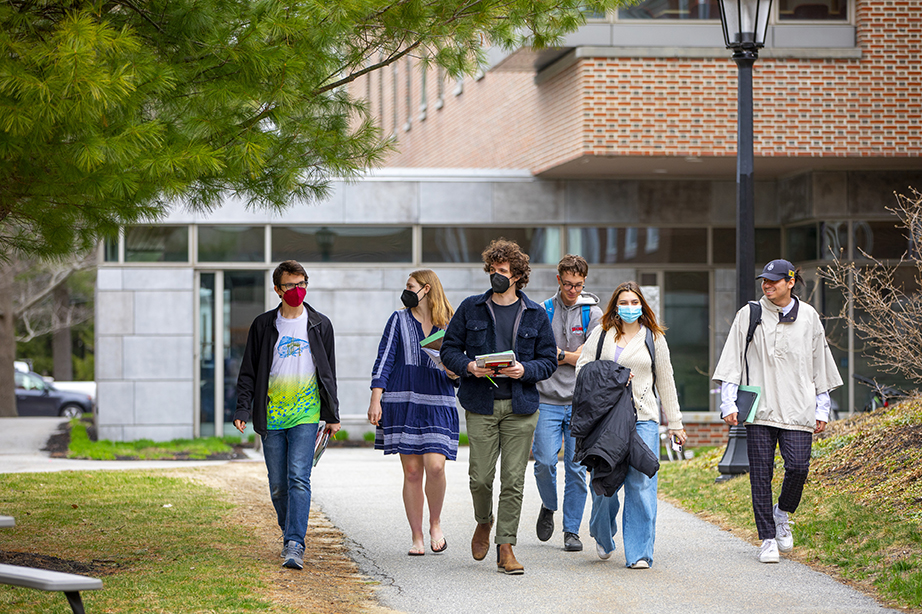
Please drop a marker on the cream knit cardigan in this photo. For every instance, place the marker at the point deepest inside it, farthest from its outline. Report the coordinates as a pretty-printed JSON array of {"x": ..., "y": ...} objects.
[{"x": 636, "y": 357}]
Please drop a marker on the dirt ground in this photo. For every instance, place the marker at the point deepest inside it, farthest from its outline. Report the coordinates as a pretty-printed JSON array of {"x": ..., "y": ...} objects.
[{"x": 330, "y": 581}]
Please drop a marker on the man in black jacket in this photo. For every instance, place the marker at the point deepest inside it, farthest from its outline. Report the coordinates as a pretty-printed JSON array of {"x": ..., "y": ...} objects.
[{"x": 287, "y": 384}]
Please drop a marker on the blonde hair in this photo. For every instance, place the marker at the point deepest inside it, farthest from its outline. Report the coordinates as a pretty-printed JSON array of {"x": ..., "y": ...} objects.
[{"x": 442, "y": 310}]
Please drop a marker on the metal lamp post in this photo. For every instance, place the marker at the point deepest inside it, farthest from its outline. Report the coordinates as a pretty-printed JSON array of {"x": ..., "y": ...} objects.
[{"x": 745, "y": 23}]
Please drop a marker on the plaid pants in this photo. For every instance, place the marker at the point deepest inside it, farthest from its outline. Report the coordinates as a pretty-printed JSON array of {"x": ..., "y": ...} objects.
[{"x": 795, "y": 450}]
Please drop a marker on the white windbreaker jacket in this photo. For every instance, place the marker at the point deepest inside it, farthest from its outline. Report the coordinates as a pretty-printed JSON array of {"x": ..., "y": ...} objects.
[{"x": 790, "y": 361}]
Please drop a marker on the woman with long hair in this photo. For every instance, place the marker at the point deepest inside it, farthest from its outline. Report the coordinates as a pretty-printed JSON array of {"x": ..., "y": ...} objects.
[
  {"x": 625, "y": 324},
  {"x": 413, "y": 404}
]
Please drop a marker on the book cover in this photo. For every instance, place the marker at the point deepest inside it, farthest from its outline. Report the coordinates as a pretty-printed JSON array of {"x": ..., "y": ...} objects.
[
  {"x": 433, "y": 341},
  {"x": 320, "y": 445},
  {"x": 496, "y": 361}
]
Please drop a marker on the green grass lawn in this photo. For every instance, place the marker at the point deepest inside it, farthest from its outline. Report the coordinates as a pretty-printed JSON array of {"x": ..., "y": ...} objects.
[
  {"x": 159, "y": 544},
  {"x": 861, "y": 514},
  {"x": 81, "y": 446}
]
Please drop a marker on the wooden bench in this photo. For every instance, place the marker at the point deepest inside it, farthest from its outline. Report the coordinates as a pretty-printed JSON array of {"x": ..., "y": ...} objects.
[{"x": 44, "y": 580}]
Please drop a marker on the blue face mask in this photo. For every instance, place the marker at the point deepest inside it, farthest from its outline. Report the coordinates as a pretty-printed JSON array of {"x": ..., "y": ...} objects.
[{"x": 629, "y": 313}]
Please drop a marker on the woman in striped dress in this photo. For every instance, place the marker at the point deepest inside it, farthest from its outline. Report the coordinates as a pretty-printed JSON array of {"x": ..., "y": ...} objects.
[{"x": 413, "y": 404}]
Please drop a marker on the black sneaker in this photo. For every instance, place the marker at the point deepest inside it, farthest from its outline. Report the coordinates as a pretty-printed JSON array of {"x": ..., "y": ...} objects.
[
  {"x": 545, "y": 525},
  {"x": 571, "y": 542}
]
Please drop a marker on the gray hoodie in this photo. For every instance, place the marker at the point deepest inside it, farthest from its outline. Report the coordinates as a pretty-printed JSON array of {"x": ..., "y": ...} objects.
[{"x": 569, "y": 334}]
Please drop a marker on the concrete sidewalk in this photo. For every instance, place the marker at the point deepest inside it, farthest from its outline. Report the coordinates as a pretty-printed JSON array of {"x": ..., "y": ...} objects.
[
  {"x": 22, "y": 440},
  {"x": 697, "y": 568}
]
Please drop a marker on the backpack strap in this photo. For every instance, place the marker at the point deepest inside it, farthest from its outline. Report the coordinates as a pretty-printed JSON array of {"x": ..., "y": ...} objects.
[
  {"x": 549, "y": 308},
  {"x": 652, "y": 350},
  {"x": 755, "y": 318},
  {"x": 586, "y": 320},
  {"x": 598, "y": 349}
]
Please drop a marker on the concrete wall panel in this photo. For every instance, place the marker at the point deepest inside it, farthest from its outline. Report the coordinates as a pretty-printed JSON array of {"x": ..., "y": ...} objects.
[
  {"x": 158, "y": 358},
  {"x": 163, "y": 313}
]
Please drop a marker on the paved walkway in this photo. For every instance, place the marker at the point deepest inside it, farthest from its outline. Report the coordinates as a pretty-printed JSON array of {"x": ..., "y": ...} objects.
[{"x": 698, "y": 568}]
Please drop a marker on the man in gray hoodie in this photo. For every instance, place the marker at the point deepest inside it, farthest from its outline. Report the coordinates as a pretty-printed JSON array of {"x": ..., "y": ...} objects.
[{"x": 573, "y": 314}]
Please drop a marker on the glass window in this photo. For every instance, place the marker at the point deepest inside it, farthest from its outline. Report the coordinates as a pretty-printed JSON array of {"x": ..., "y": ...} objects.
[
  {"x": 454, "y": 244},
  {"x": 812, "y": 10},
  {"x": 880, "y": 240},
  {"x": 802, "y": 243},
  {"x": 110, "y": 249},
  {"x": 686, "y": 313},
  {"x": 834, "y": 240},
  {"x": 347, "y": 244},
  {"x": 638, "y": 245},
  {"x": 768, "y": 245},
  {"x": 231, "y": 244},
  {"x": 157, "y": 244},
  {"x": 672, "y": 9}
]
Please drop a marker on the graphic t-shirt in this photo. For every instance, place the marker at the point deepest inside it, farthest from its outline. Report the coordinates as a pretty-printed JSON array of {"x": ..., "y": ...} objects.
[{"x": 293, "y": 395}]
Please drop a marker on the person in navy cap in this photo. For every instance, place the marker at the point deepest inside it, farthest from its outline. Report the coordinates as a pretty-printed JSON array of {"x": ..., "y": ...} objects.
[{"x": 789, "y": 360}]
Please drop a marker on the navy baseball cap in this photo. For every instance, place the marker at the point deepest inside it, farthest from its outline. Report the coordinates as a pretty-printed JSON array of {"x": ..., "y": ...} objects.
[{"x": 777, "y": 269}]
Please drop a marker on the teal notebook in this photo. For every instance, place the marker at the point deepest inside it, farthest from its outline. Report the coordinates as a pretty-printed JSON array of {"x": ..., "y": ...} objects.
[{"x": 747, "y": 402}]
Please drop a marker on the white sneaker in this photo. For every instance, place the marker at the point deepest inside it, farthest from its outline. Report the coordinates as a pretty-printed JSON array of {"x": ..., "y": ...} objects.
[
  {"x": 769, "y": 551},
  {"x": 601, "y": 552},
  {"x": 641, "y": 564},
  {"x": 783, "y": 534}
]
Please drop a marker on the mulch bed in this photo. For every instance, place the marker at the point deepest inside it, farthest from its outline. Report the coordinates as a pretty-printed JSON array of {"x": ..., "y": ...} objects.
[{"x": 53, "y": 563}]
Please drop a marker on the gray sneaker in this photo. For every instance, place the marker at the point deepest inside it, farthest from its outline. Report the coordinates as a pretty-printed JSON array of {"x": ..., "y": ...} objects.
[{"x": 293, "y": 555}]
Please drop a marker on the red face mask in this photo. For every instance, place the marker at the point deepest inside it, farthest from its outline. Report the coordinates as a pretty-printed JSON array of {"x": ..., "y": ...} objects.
[{"x": 295, "y": 296}]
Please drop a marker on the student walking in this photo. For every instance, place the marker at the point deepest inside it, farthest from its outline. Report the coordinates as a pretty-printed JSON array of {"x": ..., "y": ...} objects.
[
  {"x": 413, "y": 405},
  {"x": 286, "y": 385},
  {"x": 501, "y": 405},
  {"x": 624, "y": 327},
  {"x": 573, "y": 313},
  {"x": 789, "y": 359}
]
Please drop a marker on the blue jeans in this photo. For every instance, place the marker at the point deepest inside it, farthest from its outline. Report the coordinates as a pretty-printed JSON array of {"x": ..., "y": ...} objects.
[
  {"x": 289, "y": 455},
  {"x": 554, "y": 427},
  {"x": 639, "y": 508}
]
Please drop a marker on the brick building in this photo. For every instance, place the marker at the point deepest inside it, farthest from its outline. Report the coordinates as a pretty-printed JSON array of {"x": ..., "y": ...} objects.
[{"x": 619, "y": 145}]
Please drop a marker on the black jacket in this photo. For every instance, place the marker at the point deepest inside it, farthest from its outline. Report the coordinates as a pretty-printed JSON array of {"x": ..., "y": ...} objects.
[
  {"x": 604, "y": 425},
  {"x": 472, "y": 331},
  {"x": 253, "y": 380}
]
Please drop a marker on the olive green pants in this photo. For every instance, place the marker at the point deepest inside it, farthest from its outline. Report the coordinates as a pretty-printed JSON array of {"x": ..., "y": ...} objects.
[{"x": 505, "y": 436}]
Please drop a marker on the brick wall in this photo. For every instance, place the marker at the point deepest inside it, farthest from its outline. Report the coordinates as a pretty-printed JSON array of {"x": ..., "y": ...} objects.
[
  {"x": 705, "y": 433},
  {"x": 866, "y": 107}
]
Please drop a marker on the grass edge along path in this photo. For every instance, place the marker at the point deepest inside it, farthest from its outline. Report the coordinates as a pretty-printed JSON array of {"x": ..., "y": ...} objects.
[
  {"x": 164, "y": 543},
  {"x": 860, "y": 519}
]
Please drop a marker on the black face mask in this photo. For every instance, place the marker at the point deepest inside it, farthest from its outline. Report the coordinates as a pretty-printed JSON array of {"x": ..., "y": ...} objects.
[
  {"x": 409, "y": 299},
  {"x": 499, "y": 282}
]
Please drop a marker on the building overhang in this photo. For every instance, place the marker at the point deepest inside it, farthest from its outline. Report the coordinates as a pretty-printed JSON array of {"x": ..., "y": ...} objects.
[{"x": 716, "y": 167}]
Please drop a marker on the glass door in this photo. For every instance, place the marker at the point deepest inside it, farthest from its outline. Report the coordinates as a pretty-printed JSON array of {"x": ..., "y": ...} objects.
[
  {"x": 686, "y": 313},
  {"x": 229, "y": 301}
]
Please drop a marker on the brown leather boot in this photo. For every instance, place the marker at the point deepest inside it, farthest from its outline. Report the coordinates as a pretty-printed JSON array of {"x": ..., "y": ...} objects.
[
  {"x": 480, "y": 543},
  {"x": 506, "y": 561}
]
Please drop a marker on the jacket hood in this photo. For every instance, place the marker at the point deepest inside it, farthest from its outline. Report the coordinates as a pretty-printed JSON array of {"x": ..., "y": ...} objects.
[{"x": 585, "y": 298}]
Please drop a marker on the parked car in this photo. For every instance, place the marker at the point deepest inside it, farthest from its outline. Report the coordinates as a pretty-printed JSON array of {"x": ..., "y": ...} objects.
[{"x": 36, "y": 397}]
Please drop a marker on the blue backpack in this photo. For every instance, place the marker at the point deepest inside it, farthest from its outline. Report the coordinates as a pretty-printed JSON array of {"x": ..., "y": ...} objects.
[{"x": 549, "y": 308}]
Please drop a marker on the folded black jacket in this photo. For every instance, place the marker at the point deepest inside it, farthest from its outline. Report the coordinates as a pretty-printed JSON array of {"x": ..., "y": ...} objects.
[{"x": 604, "y": 425}]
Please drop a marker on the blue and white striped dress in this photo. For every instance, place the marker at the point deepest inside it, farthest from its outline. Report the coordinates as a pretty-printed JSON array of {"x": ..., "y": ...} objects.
[{"x": 418, "y": 413}]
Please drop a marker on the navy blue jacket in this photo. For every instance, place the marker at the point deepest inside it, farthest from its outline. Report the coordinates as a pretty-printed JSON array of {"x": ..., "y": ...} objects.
[{"x": 472, "y": 331}]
